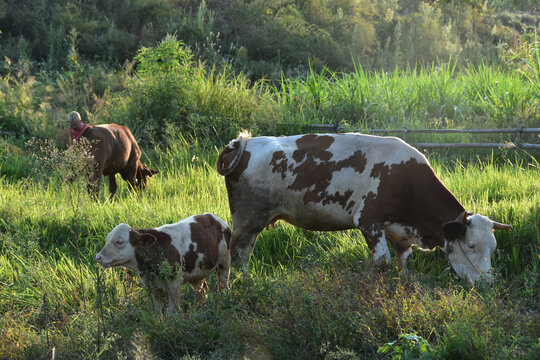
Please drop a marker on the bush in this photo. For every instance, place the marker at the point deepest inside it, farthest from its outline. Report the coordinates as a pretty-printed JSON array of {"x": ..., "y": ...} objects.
[{"x": 172, "y": 96}]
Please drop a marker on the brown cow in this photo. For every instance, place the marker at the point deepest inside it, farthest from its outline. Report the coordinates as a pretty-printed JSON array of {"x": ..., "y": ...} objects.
[
  {"x": 380, "y": 185},
  {"x": 172, "y": 254},
  {"x": 115, "y": 150}
]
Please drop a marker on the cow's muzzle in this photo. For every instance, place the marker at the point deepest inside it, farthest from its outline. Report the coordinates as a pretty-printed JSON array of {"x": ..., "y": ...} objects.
[{"x": 100, "y": 260}]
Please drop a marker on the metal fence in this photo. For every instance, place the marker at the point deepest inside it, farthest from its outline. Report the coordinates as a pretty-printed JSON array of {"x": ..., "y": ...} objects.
[{"x": 516, "y": 145}]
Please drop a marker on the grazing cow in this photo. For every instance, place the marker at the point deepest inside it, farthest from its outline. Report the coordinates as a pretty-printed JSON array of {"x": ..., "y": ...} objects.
[
  {"x": 169, "y": 256},
  {"x": 115, "y": 150},
  {"x": 380, "y": 185}
]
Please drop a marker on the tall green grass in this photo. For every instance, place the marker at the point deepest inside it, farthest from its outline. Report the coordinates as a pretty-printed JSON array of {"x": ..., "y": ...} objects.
[
  {"x": 177, "y": 96},
  {"x": 420, "y": 97},
  {"x": 303, "y": 295}
]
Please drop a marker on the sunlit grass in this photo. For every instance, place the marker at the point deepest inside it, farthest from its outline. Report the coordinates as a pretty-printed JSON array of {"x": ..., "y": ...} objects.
[
  {"x": 301, "y": 290},
  {"x": 421, "y": 97}
]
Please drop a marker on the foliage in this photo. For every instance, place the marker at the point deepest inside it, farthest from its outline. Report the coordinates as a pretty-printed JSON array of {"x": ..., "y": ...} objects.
[
  {"x": 409, "y": 347},
  {"x": 172, "y": 95},
  {"x": 438, "y": 96},
  {"x": 262, "y": 37}
]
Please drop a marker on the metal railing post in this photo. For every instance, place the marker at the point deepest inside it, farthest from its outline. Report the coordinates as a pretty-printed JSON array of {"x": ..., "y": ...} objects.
[{"x": 405, "y": 133}]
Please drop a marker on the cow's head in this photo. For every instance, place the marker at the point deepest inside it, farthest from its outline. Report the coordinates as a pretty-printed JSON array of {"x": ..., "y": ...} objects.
[
  {"x": 142, "y": 176},
  {"x": 118, "y": 249},
  {"x": 469, "y": 244}
]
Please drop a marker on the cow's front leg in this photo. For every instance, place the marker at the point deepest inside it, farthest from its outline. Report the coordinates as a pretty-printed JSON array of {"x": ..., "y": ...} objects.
[
  {"x": 376, "y": 241},
  {"x": 223, "y": 277},
  {"x": 113, "y": 186},
  {"x": 243, "y": 242}
]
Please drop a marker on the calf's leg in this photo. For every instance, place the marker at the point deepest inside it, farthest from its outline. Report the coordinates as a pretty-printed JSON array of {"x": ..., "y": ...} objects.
[
  {"x": 172, "y": 289},
  {"x": 401, "y": 259}
]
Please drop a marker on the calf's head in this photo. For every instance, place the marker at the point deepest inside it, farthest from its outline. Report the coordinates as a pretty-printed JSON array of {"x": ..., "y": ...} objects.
[
  {"x": 118, "y": 250},
  {"x": 469, "y": 244}
]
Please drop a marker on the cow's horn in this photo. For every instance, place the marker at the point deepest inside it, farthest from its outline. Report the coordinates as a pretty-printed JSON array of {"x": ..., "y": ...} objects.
[{"x": 499, "y": 226}]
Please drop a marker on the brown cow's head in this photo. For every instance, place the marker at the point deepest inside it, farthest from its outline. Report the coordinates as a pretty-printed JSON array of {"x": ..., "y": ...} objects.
[{"x": 142, "y": 175}]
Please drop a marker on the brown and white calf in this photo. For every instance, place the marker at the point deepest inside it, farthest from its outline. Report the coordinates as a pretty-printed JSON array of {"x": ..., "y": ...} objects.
[
  {"x": 380, "y": 185},
  {"x": 170, "y": 255}
]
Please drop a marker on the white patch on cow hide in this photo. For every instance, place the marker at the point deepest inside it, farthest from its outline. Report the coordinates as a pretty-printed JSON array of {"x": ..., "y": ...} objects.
[
  {"x": 179, "y": 233},
  {"x": 403, "y": 233}
]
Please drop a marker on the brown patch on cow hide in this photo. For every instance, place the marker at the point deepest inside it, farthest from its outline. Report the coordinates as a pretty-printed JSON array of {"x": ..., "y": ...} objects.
[
  {"x": 315, "y": 173},
  {"x": 226, "y": 157},
  {"x": 152, "y": 249},
  {"x": 313, "y": 146},
  {"x": 411, "y": 194},
  {"x": 279, "y": 163},
  {"x": 242, "y": 165},
  {"x": 206, "y": 233},
  {"x": 190, "y": 259}
]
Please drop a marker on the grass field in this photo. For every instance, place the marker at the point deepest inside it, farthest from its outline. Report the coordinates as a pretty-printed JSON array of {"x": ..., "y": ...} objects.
[{"x": 304, "y": 295}]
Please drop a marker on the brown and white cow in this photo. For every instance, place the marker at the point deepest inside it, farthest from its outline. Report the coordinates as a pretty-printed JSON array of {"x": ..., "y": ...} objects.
[
  {"x": 169, "y": 256},
  {"x": 115, "y": 150},
  {"x": 380, "y": 185}
]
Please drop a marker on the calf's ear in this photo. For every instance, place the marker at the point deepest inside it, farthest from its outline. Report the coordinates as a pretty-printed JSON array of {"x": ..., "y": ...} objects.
[
  {"x": 135, "y": 237},
  {"x": 454, "y": 230}
]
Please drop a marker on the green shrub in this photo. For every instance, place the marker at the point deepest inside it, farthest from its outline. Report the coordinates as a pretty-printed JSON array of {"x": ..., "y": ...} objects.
[{"x": 171, "y": 96}]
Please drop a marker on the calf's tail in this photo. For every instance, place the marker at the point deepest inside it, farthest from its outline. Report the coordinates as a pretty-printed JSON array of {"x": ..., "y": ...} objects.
[{"x": 232, "y": 154}]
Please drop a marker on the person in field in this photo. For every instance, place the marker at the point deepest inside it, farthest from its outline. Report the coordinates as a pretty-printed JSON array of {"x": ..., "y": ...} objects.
[{"x": 76, "y": 128}]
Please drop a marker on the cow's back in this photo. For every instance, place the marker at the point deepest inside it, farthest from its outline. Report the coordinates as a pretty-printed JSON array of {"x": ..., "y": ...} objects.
[
  {"x": 115, "y": 147},
  {"x": 318, "y": 182},
  {"x": 198, "y": 239}
]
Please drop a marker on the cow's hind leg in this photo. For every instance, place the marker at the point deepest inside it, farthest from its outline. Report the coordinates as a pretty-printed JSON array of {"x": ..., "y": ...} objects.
[
  {"x": 243, "y": 242},
  {"x": 376, "y": 241}
]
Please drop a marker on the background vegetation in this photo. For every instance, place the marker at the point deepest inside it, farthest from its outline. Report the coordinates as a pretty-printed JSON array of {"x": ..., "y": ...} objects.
[{"x": 186, "y": 76}]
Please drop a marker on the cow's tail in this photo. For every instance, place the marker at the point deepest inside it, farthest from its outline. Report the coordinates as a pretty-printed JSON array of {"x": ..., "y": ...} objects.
[{"x": 225, "y": 165}]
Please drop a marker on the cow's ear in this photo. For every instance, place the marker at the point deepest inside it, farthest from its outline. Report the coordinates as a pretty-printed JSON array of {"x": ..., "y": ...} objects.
[
  {"x": 454, "y": 230},
  {"x": 148, "y": 172},
  {"x": 135, "y": 237}
]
